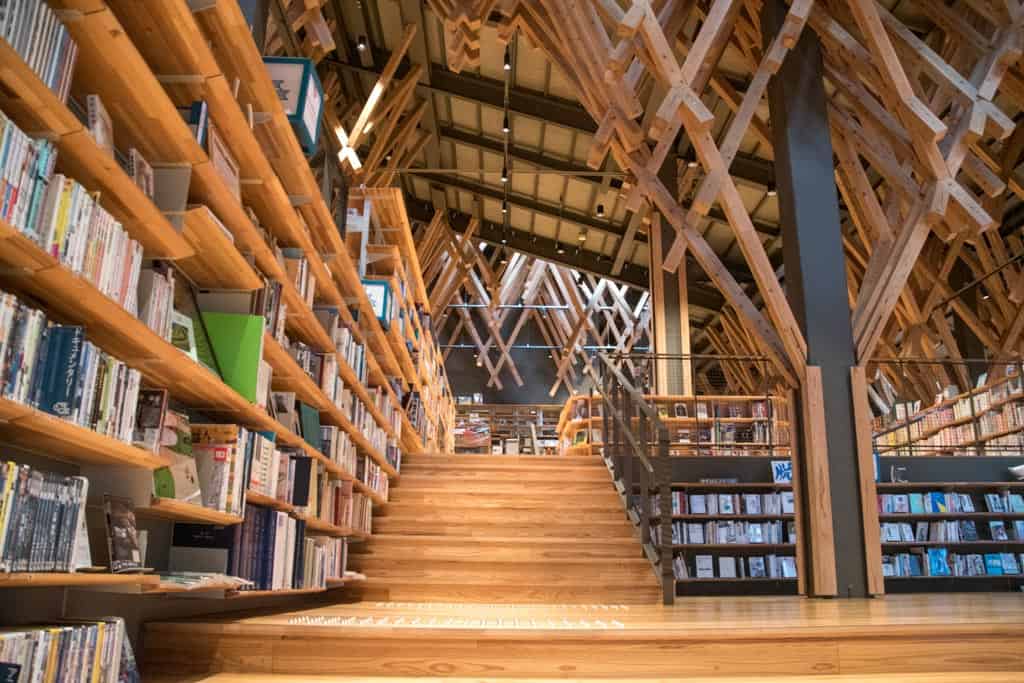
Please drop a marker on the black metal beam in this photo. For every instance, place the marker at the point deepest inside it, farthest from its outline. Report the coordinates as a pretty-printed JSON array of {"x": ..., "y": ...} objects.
[
  {"x": 527, "y": 203},
  {"x": 536, "y": 158},
  {"x": 530, "y": 204},
  {"x": 527, "y": 102},
  {"x": 816, "y": 284},
  {"x": 545, "y": 249}
]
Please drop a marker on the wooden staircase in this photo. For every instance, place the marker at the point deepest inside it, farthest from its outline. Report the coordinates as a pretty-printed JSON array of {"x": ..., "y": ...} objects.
[{"x": 504, "y": 529}]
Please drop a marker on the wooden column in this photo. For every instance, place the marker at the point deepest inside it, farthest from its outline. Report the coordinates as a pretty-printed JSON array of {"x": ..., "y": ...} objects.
[
  {"x": 684, "y": 330},
  {"x": 657, "y": 276},
  {"x": 817, "y": 291}
]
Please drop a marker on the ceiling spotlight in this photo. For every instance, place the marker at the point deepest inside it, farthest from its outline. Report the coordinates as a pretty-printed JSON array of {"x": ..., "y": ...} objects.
[
  {"x": 772, "y": 191},
  {"x": 504, "y": 260},
  {"x": 504, "y": 124},
  {"x": 504, "y": 239},
  {"x": 504, "y": 206},
  {"x": 361, "y": 43},
  {"x": 692, "y": 163},
  {"x": 582, "y": 237},
  {"x": 549, "y": 355},
  {"x": 508, "y": 59},
  {"x": 985, "y": 296},
  {"x": 600, "y": 210},
  {"x": 504, "y": 174},
  {"x": 559, "y": 249}
]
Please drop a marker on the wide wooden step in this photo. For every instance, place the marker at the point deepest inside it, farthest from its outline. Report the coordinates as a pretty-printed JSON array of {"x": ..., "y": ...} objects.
[
  {"x": 550, "y": 528},
  {"x": 421, "y": 591},
  {"x": 605, "y": 500},
  {"x": 502, "y": 473},
  {"x": 472, "y": 513},
  {"x": 944, "y": 676},
  {"x": 446, "y": 548},
  {"x": 618, "y": 572},
  {"x": 550, "y": 485},
  {"x": 518, "y": 460}
]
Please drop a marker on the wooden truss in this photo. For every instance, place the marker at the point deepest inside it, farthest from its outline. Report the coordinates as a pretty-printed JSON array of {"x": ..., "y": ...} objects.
[
  {"x": 924, "y": 157},
  {"x": 508, "y": 290}
]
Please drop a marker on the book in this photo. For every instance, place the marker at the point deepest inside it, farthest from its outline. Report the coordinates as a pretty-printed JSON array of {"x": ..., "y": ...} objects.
[
  {"x": 149, "y": 419},
  {"x": 196, "y": 115},
  {"x": 705, "y": 567},
  {"x": 237, "y": 341},
  {"x": 938, "y": 562},
  {"x": 100, "y": 125},
  {"x": 141, "y": 173},
  {"x": 122, "y": 535},
  {"x": 224, "y": 162},
  {"x": 183, "y": 335}
]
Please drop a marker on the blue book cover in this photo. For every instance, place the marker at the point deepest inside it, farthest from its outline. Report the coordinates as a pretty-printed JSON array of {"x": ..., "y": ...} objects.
[
  {"x": 916, "y": 504},
  {"x": 994, "y": 564},
  {"x": 195, "y": 116},
  {"x": 268, "y": 541},
  {"x": 937, "y": 562},
  {"x": 937, "y": 501},
  {"x": 63, "y": 364}
]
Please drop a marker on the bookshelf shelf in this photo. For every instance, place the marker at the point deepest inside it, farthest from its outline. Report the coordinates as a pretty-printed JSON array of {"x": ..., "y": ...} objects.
[
  {"x": 722, "y": 486},
  {"x": 949, "y": 485},
  {"x": 37, "y": 108},
  {"x": 180, "y": 511},
  {"x": 339, "y": 581},
  {"x": 748, "y": 579},
  {"x": 979, "y": 577},
  {"x": 768, "y": 547},
  {"x": 953, "y": 544},
  {"x": 216, "y": 263},
  {"x": 281, "y": 593},
  {"x": 729, "y": 517},
  {"x": 318, "y": 526},
  {"x": 254, "y": 498},
  {"x": 77, "y": 579},
  {"x": 906, "y": 517},
  {"x": 37, "y": 431}
]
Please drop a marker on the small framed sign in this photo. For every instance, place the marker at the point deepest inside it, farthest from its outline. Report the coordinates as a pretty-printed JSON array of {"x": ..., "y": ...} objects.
[
  {"x": 782, "y": 471},
  {"x": 301, "y": 95},
  {"x": 379, "y": 294}
]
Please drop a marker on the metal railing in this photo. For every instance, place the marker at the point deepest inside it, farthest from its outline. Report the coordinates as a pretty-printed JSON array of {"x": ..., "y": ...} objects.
[{"x": 635, "y": 446}]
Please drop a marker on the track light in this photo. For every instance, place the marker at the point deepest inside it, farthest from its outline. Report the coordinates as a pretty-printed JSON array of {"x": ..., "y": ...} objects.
[
  {"x": 772, "y": 191},
  {"x": 361, "y": 43},
  {"x": 504, "y": 239},
  {"x": 582, "y": 237},
  {"x": 508, "y": 59},
  {"x": 559, "y": 249},
  {"x": 692, "y": 163},
  {"x": 600, "y": 210},
  {"x": 504, "y": 174},
  {"x": 504, "y": 206},
  {"x": 504, "y": 124}
]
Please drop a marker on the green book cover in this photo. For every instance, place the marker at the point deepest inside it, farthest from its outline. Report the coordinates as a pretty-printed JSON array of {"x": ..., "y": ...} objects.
[
  {"x": 237, "y": 341},
  {"x": 309, "y": 422}
]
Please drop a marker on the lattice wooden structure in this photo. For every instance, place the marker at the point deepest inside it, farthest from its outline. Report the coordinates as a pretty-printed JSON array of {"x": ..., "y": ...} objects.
[{"x": 583, "y": 309}]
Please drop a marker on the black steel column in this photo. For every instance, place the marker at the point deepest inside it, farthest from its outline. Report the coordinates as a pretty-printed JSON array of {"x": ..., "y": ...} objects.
[{"x": 815, "y": 272}]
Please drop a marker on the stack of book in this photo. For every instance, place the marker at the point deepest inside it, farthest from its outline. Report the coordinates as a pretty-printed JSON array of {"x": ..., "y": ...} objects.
[
  {"x": 729, "y": 567},
  {"x": 54, "y": 368},
  {"x": 156, "y": 300},
  {"x": 371, "y": 474},
  {"x": 338, "y": 447},
  {"x": 227, "y": 457},
  {"x": 939, "y": 562},
  {"x": 268, "y": 549},
  {"x": 38, "y": 36},
  {"x": 97, "y": 651},
  {"x": 324, "y": 559},
  {"x": 296, "y": 264},
  {"x": 42, "y": 516},
  {"x": 722, "y": 532},
  {"x": 270, "y": 305},
  {"x": 942, "y": 502},
  {"x": 712, "y": 504},
  {"x": 952, "y": 531}
]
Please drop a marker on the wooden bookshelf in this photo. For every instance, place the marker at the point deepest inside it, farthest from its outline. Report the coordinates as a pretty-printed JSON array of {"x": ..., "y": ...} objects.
[
  {"x": 40, "y": 432},
  {"x": 722, "y": 547},
  {"x": 738, "y": 518},
  {"x": 36, "y": 108},
  {"x": 75, "y": 579},
  {"x": 747, "y": 579},
  {"x": 315, "y": 525},
  {"x": 179, "y": 511}
]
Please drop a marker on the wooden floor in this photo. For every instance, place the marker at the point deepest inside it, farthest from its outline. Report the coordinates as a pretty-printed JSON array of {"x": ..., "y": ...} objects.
[
  {"x": 726, "y": 639},
  {"x": 483, "y": 569}
]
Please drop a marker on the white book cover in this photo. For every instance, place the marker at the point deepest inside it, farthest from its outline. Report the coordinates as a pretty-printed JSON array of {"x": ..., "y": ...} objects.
[
  {"x": 705, "y": 566},
  {"x": 280, "y": 534},
  {"x": 727, "y": 567}
]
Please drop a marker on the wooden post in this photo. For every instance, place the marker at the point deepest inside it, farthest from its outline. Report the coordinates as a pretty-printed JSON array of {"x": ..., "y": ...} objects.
[{"x": 868, "y": 490}]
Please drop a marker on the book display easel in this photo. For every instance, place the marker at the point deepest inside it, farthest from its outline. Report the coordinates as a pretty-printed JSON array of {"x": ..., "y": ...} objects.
[
  {"x": 734, "y": 523},
  {"x": 510, "y": 429},
  {"x": 164, "y": 243},
  {"x": 950, "y": 506}
]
